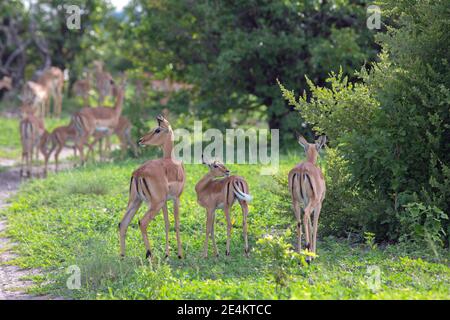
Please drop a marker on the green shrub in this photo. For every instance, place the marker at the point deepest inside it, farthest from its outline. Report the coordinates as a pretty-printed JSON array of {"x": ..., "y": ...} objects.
[{"x": 422, "y": 224}]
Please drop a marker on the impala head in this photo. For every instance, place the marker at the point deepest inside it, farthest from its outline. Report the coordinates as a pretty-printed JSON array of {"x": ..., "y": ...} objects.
[
  {"x": 6, "y": 83},
  {"x": 312, "y": 149},
  {"x": 98, "y": 65},
  {"x": 216, "y": 167},
  {"x": 159, "y": 135}
]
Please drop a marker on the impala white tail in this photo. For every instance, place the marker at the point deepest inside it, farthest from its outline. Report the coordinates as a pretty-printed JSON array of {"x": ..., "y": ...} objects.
[{"x": 241, "y": 194}]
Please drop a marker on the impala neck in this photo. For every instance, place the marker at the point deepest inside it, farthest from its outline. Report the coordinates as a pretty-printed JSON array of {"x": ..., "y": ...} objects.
[
  {"x": 311, "y": 155},
  {"x": 168, "y": 148},
  {"x": 119, "y": 103},
  {"x": 204, "y": 181}
]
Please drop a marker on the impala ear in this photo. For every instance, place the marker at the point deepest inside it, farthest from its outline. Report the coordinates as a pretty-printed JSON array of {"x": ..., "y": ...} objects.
[
  {"x": 204, "y": 162},
  {"x": 321, "y": 142},
  {"x": 302, "y": 141}
]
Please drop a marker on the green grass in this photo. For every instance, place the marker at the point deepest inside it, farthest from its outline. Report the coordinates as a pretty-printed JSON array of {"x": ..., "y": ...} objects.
[{"x": 71, "y": 219}]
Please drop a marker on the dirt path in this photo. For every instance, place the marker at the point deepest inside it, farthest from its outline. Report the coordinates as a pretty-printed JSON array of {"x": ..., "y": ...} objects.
[{"x": 12, "y": 286}]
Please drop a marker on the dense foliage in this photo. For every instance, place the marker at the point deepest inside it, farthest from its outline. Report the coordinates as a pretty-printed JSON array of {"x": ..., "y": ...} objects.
[
  {"x": 233, "y": 51},
  {"x": 392, "y": 128}
]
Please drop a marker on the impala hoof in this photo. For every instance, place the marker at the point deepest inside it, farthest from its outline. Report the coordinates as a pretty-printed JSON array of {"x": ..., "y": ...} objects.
[
  {"x": 227, "y": 253},
  {"x": 166, "y": 256},
  {"x": 148, "y": 254},
  {"x": 180, "y": 256}
]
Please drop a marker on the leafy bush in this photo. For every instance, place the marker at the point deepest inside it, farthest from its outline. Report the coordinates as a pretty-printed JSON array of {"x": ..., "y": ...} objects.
[
  {"x": 392, "y": 127},
  {"x": 423, "y": 224},
  {"x": 280, "y": 259}
]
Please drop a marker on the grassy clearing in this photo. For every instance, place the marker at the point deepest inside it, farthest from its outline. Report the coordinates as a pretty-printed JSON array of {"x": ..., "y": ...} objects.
[{"x": 71, "y": 219}]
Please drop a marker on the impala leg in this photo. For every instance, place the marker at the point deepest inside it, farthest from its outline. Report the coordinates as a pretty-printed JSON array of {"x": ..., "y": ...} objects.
[
  {"x": 226, "y": 209},
  {"x": 176, "y": 213},
  {"x": 306, "y": 223},
  {"x": 315, "y": 226},
  {"x": 208, "y": 231},
  {"x": 143, "y": 224},
  {"x": 132, "y": 208},
  {"x": 298, "y": 217},
  {"x": 167, "y": 223},
  {"x": 244, "y": 207},
  {"x": 57, "y": 152},
  {"x": 22, "y": 163},
  {"x": 216, "y": 252},
  {"x": 59, "y": 104}
]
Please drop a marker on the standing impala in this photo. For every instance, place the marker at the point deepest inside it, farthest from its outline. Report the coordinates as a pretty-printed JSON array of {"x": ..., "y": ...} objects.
[
  {"x": 32, "y": 137},
  {"x": 215, "y": 192},
  {"x": 307, "y": 185},
  {"x": 88, "y": 120},
  {"x": 155, "y": 182}
]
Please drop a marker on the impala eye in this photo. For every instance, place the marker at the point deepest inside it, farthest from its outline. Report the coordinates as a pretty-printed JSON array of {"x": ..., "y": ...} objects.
[
  {"x": 216, "y": 166},
  {"x": 158, "y": 130}
]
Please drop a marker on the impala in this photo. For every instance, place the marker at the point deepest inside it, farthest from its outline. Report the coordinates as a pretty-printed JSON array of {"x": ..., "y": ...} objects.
[
  {"x": 218, "y": 190},
  {"x": 59, "y": 138},
  {"x": 155, "y": 182},
  {"x": 307, "y": 186},
  {"x": 37, "y": 96},
  {"x": 103, "y": 81},
  {"x": 82, "y": 87},
  {"x": 122, "y": 131},
  {"x": 89, "y": 120},
  {"x": 32, "y": 137},
  {"x": 6, "y": 83}
]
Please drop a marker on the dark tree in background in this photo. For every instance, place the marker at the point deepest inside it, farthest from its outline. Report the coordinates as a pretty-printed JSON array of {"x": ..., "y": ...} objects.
[{"x": 233, "y": 51}]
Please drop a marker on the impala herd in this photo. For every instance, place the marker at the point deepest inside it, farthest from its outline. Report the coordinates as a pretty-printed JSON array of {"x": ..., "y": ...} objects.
[{"x": 157, "y": 181}]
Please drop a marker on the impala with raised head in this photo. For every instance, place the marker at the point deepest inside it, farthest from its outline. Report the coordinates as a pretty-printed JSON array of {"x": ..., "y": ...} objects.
[
  {"x": 307, "y": 186},
  {"x": 218, "y": 190},
  {"x": 89, "y": 120},
  {"x": 155, "y": 182}
]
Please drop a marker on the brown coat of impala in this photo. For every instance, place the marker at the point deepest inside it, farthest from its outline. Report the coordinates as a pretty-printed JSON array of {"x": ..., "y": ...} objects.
[
  {"x": 6, "y": 83},
  {"x": 155, "y": 182},
  {"x": 307, "y": 186},
  {"x": 89, "y": 120},
  {"x": 122, "y": 131},
  {"x": 218, "y": 190},
  {"x": 58, "y": 139},
  {"x": 32, "y": 137}
]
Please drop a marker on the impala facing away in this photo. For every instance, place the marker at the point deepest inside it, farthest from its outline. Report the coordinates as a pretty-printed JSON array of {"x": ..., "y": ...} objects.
[
  {"x": 307, "y": 185},
  {"x": 33, "y": 139},
  {"x": 215, "y": 192},
  {"x": 155, "y": 182}
]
